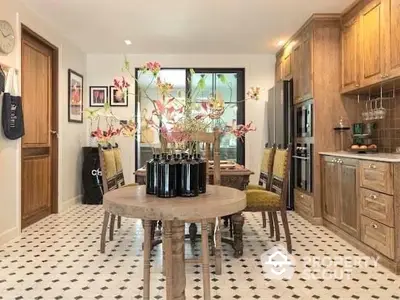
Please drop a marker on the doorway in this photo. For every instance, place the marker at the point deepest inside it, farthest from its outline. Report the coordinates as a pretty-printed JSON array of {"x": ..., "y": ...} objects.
[{"x": 39, "y": 145}]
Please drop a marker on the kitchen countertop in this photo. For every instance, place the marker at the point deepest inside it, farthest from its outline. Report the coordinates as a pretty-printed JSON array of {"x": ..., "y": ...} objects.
[{"x": 385, "y": 157}]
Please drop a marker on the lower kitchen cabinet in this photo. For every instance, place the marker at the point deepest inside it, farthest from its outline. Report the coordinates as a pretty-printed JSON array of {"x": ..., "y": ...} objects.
[{"x": 340, "y": 193}]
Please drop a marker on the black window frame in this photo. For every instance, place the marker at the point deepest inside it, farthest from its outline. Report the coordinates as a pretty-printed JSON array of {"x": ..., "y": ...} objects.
[{"x": 241, "y": 111}]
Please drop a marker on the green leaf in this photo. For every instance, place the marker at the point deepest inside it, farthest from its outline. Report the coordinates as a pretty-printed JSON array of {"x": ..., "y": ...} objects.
[
  {"x": 222, "y": 78},
  {"x": 202, "y": 83}
]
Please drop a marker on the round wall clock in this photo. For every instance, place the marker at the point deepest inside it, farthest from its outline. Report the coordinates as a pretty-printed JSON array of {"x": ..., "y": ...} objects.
[{"x": 7, "y": 37}]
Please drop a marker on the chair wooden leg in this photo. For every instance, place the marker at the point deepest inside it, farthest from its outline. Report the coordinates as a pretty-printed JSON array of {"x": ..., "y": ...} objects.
[
  {"x": 205, "y": 261},
  {"x": 218, "y": 248},
  {"x": 146, "y": 259},
  {"x": 119, "y": 222},
  {"x": 287, "y": 231},
  {"x": 104, "y": 232},
  {"x": 112, "y": 224},
  {"x": 271, "y": 225},
  {"x": 167, "y": 246},
  {"x": 276, "y": 224},
  {"x": 264, "y": 219}
]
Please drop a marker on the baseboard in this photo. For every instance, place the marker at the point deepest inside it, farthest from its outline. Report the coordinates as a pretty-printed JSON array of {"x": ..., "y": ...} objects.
[
  {"x": 317, "y": 221},
  {"x": 8, "y": 235},
  {"x": 67, "y": 205}
]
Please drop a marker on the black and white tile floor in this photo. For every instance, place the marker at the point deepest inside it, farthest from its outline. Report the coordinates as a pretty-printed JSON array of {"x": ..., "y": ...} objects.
[{"x": 58, "y": 258}]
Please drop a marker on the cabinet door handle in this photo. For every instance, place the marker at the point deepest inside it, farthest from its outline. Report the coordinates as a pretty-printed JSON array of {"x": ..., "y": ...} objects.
[
  {"x": 340, "y": 161},
  {"x": 374, "y": 197},
  {"x": 302, "y": 196},
  {"x": 334, "y": 160},
  {"x": 357, "y": 85},
  {"x": 373, "y": 225},
  {"x": 372, "y": 166}
]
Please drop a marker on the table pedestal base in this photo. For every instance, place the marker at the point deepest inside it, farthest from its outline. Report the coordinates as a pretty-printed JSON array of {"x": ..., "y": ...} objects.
[{"x": 174, "y": 233}]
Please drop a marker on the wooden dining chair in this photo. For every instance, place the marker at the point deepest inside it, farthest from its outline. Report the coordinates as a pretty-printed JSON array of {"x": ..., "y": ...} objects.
[
  {"x": 109, "y": 177},
  {"x": 275, "y": 199},
  {"x": 264, "y": 182}
]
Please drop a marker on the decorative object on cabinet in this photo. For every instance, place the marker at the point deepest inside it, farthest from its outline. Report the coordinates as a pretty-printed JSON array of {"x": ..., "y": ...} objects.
[
  {"x": 118, "y": 97},
  {"x": 98, "y": 96},
  {"x": 75, "y": 97},
  {"x": 7, "y": 37},
  {"x": 341, "y": 128}
]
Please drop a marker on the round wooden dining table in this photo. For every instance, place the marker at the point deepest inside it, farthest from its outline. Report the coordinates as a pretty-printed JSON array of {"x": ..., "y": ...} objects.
[{"x": 133, "y": 202}]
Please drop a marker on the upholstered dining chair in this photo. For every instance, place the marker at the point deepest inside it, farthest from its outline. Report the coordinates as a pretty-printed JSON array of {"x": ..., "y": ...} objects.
[
  {"x": 274, "y": 200},
  {"x": 119, "y": 174},
  {"x": 109, "y": 177},
  {"x": 264, "y": 182}
]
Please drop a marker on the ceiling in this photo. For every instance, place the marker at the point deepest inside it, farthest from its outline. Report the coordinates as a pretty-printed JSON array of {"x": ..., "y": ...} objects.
[{"x": 180, "y": 26}]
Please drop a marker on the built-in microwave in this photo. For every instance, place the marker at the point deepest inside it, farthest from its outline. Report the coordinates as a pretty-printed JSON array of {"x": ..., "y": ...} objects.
[{"x": 304, "y": 119}]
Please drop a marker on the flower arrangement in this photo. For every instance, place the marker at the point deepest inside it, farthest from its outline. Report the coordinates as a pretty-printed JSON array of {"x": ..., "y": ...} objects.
[{"x": 175, "y": 118}]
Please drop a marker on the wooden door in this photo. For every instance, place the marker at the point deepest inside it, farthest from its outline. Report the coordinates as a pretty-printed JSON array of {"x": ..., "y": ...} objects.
[
  {"x": 372, "y": 45},
  {"x": 297, "y": 70},
  {"x": 349, "y": 211},
  {"x": 330, "y": 189},
  {"x": 306, "y": 66},
  {"x": 39, "y": 146},
  {"x": 350, "y": 50},
  {"x": 392, "y": 37}
]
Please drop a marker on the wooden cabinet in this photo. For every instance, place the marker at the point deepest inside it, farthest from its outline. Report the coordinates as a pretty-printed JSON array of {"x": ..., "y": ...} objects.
[
  {"x": 297, "y": 72},
  {"x": 350, "y": 58},
  {"x": 303, "y": 204},
  {"x": 377, "y": 176},
  {"x": 278, "y": 69},
  {"x": 377, "y": 206},
  {"x": 306, "y": 72},
  {"x": 330, "y": 185},
  {"x": 349, "y": 211},
  {"x": 372, "y": 43},
  {"x": 340, "y": 194},
  {"x": 392, "y": 37},
  {"x": 378, "y": 236},
  {"x": 287, "y": 65}
]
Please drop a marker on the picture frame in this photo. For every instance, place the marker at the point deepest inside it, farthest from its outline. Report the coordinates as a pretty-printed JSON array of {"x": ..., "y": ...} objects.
[
  {"x": 75, "y": 97},
  {"x": 98, "y": 96},
  {"x": 118, "y": 99}
]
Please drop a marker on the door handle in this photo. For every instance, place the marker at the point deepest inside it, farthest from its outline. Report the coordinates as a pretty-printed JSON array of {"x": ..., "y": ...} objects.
[{"x": 53, "y": 132}]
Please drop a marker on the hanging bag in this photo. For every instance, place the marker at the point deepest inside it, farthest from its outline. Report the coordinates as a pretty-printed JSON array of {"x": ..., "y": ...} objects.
[{"x": 11, "y": 113}]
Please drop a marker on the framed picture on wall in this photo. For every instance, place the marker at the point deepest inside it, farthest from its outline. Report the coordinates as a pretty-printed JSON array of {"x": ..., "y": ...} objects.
[
  {"x": 98, "y": 95},
  {"x": 117, "y": 97},
  {"x": 75, "y": 97}
]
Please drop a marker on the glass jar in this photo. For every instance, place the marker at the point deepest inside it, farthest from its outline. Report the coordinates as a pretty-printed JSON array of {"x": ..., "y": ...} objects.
[
  {"x": 152, "y": 175},
  {"x": 167, "y": 184},
  {"x": 189, "y": 186}
]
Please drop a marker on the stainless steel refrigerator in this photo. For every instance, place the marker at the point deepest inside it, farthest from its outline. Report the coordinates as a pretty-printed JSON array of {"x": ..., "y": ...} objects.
[{"x": 280, "y": 122}]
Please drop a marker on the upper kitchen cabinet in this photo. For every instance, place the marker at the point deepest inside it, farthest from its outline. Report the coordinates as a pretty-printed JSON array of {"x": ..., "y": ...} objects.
[
  {"x": 350, "y": 58},
  {"x": 297, "y": 73},
  {"x": 278, "y": 69},
  {"x": 306, "y": 64},
  {"x": 287, "y": 65},
  {"x": 392, "y": 37},
  {"x": 372, "y": 50}
]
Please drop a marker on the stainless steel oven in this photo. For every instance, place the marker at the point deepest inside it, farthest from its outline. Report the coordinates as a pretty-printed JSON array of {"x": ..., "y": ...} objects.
[
  {"x": 303, "y": 167},
  {"x": 304, "y": 119}
]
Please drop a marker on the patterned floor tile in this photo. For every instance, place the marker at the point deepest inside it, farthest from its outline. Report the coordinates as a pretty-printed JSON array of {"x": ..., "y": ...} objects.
[{"x": 58, "y": 258}]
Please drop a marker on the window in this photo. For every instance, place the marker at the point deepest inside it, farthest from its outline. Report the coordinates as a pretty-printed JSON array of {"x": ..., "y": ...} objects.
[{"x": 225, "y": 83}]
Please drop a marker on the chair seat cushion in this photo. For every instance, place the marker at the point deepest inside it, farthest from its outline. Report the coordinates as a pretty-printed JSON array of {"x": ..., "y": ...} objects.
[
  {"x": 262, "y": 200},
  {"x": 255, "y": 187}
]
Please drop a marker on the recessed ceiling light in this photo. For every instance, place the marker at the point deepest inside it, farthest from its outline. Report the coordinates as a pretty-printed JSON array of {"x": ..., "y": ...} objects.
[
  {"x": 281, "y": 43},
  {"x": 128, "y": 42}
]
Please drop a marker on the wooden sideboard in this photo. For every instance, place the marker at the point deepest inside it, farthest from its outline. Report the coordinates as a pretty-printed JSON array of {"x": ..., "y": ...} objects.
[{"x": 361, "y": 203}]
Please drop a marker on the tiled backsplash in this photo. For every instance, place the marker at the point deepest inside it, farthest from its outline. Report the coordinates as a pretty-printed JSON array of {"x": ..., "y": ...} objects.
[{"x": 386, "y": 135}]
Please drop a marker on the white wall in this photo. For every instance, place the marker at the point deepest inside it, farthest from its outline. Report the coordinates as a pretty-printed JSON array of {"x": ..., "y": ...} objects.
[
  {"x": 259, "y": 70},
  {"x": 72, "y": 135}
]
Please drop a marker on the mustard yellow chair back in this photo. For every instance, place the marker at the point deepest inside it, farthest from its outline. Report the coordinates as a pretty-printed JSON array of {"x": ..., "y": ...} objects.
[
  {"x": 266, "y": 166},
  {"x": 280, "y": 172},
  {"x": 108, "y": 168},
  {"x": 118, "y": 165}
]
